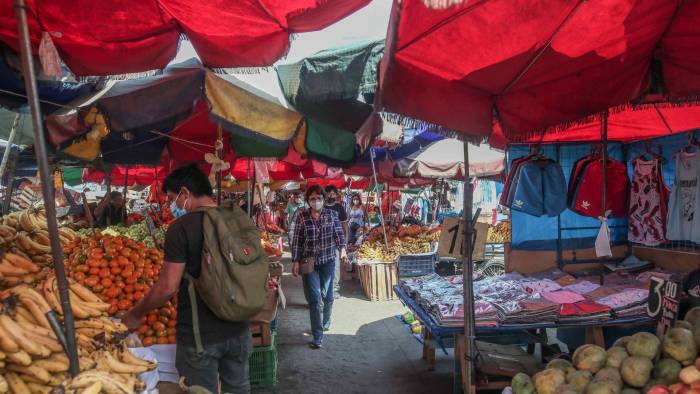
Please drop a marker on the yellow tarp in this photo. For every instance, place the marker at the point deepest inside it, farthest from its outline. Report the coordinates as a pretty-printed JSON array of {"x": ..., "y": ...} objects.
[{"x": 233, "y": 103}]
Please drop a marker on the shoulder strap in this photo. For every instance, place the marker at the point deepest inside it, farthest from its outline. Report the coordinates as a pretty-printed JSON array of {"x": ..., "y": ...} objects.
[{"x": 195, "y": 314}]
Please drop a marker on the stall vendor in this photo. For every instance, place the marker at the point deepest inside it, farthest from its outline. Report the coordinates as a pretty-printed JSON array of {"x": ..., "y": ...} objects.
[{"x": 110, "y": 211}]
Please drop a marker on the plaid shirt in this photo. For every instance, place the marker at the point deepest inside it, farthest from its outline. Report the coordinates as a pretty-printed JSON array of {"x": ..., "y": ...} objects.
[{"x": 321, "y": 238}]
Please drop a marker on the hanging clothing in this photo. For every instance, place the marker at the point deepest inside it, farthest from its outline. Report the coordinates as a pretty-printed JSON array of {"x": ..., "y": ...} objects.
[
  {"x": 540, "y": 188},
  {"x": 588, "y": 197},
  {"x": 648, "y": 203},
  {"x": 683, "y": 218}
]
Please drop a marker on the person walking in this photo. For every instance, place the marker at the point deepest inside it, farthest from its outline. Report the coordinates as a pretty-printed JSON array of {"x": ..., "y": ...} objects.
[
  {"x": 333, "y": 203},
  {"x": 318, "y": 235},
  {"x": 357, "y": 218},
  {"x": 209, "y": 350}
]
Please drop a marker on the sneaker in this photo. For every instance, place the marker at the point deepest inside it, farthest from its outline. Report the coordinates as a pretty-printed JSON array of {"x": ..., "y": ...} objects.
[{"x": 315, "y": 345}]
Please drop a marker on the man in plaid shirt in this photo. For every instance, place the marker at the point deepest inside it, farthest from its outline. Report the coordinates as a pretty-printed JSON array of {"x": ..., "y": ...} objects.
[{"x": 318, "y": 235}]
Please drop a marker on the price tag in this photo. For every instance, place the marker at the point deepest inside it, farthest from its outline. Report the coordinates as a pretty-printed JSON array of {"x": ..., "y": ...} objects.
[
  {"x": 451, "y": 243},
  {"x": 663, "y": 302}
]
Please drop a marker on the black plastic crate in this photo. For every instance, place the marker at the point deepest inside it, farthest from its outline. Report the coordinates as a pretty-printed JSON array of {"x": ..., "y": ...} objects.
[{"x": 410, "y": 265}]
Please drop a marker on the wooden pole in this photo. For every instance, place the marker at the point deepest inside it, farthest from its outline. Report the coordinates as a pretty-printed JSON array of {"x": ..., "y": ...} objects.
[
  {"x": 604, "y": 139},
  {"x": 46, "y": 187},
  {"x": 467, "y": 279},
  {"x": 126, "y": 183},
  {"x": 379, "y": 200}
]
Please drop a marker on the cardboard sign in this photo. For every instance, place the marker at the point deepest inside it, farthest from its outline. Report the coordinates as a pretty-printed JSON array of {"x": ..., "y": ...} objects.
[
  {"x": 663, "y": 302},
  {"x": 451, "y": 243}
]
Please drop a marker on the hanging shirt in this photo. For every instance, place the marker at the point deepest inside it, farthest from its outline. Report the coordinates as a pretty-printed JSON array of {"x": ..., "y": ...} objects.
[
  {"x": 648, "y": 203},
  {"x": 683, "y": 218}
]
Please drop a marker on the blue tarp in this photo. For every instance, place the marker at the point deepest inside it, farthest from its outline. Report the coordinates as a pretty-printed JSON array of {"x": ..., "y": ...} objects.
[
  {"x": 540, "y": 233},
  {"x": 413, "y": 141}
]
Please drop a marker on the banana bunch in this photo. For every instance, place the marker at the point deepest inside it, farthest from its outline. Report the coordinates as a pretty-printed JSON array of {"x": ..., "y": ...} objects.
[
  {"x": 16, "y": 269},
  {"x": 84, "y": 303},
  {"x": 32, "y": 360},
  {"x": 499, "y": 233},
  {"x": 7, "y": 235}
]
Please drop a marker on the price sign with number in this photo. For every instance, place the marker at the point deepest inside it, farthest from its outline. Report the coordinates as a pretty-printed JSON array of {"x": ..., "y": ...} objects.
[
  {"x": 451, "y": 243},
  {"x": 663, "y": 302}
]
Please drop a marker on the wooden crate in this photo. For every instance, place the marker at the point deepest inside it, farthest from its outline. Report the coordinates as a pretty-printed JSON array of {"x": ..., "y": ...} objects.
[
  {"x": 262, "y": 335},
  {"x": 378, "y": 280}
]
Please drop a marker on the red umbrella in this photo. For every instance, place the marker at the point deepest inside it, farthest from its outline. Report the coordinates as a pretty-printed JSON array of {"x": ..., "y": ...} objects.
[
  {"x": 144, "y": 35},
  {"x": 535, "y": 63}
]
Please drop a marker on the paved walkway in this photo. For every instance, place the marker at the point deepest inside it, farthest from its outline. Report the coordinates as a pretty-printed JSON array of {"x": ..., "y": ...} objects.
[{"x": 367, "y": 349}]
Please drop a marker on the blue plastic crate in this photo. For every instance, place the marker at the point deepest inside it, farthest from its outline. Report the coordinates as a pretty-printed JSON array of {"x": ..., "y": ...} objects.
[{"x": 410, "y": 265}]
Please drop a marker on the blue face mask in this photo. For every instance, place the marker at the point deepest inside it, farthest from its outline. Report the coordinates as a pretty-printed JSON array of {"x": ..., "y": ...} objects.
[{"x": 177, "y": 211}]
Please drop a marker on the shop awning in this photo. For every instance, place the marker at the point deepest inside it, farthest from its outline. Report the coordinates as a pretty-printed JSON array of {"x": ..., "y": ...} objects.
[
  {"x": 535, "y": 64},
  {"x": 445, "y": 159},
  {"x": 134, "y": 36}
]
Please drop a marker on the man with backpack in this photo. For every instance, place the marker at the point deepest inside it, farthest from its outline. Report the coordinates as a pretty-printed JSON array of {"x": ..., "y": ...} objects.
[{"x": 213, "y": 256}]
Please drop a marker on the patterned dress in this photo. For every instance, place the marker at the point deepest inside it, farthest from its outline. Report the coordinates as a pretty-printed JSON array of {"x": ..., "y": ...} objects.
[{"x": 648, "y": 203}]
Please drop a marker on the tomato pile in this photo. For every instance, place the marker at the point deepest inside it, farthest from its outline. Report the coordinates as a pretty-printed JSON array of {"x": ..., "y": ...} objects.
[{"x": 121, "y": 272}]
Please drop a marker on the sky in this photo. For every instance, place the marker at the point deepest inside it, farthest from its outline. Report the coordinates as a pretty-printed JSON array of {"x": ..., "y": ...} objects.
[{"x": 369, "y": 23}]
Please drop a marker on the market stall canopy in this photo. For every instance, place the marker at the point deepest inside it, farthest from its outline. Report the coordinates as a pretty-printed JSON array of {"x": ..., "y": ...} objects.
[
  {"x": 137, "y": 175},
  {"x": 624, "y": 125},
  {"x": 145, "y": 35},
  {"x": 535, "y": 64},
  {"x": 445, "y": 159},
  {"x": 131, "y": 121},
  {"x": 330, "y": 89}
]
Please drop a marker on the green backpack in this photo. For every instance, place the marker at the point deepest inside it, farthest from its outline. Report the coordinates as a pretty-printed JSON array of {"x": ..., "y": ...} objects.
[{"x": 234, "y": 274}]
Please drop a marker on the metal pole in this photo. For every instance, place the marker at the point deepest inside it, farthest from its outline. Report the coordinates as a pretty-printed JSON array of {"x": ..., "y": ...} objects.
[
  {"x": 10, "y": 141},
  {"x": 604, "y": 139},
  {"x": 379, "y": 199},
  {"x": 126, "y": 183},
  {"x": 10, "y": 187},
  {"x": 220, "y": 156},
  {"x": 467, "y": 278},
  {"x": 46, "y": 184}
]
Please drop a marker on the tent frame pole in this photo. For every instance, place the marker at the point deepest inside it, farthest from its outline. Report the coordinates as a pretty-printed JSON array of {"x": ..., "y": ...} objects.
[
  {"x": 220, "y": 156},
  {"x": 379, "y": 199},
  {"x": 10, "y": 142},
  {"x": 603, "y": 202},
  {"x": 126, "y": 184},
  {"x": 249, "y": 192},
  {"x": 467, "y": 279},
  {"x": 46, "y": 185},
  {"x": 10, "y": 187}
]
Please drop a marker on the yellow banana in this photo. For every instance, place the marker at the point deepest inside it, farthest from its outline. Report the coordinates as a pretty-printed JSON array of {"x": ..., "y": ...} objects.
[
  {"x": 51, "y": 365},
  {"x": 25, "y": 222},
  {"x": 22, "y": 314},
  {"x": 94, "y": 388},
  {"x": 15, "y": 332},
  {"x": 4, "y": 388},
  {"x": 7, "y": 344},
  {"x": 84, "y": 293},
  {"x": 32, "y": 370},
  {"x": 48, "y": 342},
  {"x": 38, "y": 388},
  {"x": 2, "y": 355},
  {"x": 21, "y": 357},
  {"x": 129, "y": 358},
  {"x": 17, "y": 385},
  {"x": 34, "y": 310}
]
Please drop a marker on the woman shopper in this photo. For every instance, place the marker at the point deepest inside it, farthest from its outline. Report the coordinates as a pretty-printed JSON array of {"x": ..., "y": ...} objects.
[
  {"x": 317, "y": 237},
  {"x": 357, "y": 217}
]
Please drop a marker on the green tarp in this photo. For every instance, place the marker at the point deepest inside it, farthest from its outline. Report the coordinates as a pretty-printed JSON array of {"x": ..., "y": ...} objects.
[{"x": 330, "y": 144}]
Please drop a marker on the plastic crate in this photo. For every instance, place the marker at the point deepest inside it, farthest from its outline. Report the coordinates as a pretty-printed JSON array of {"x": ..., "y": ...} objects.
[
  {"x": 263, "y": 365},
  {"x": 410, "y": 265}
]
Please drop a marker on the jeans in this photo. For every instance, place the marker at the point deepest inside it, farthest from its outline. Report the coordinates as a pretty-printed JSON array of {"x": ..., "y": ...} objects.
[
  {"x": 318, "y": 290},
  {"x": 227, "y": 361}
]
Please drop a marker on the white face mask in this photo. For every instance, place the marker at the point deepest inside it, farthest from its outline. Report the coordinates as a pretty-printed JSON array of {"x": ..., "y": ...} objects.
[{"x": 317, "y": 205}]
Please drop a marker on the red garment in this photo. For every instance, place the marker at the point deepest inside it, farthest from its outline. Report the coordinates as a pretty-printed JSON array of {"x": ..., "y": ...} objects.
[
  {"x": 534, "y": 63},
  {"x": 588, "y": 198},
  {"x": 144, "y": 35},
  {"x": 582, "y": 308}
]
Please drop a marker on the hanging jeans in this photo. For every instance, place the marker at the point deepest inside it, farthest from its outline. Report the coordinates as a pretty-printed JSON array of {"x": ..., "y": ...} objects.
[{"x": 318, "y": 290}]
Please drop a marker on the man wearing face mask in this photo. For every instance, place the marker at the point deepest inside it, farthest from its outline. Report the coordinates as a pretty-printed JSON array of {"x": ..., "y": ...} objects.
[
  {"x": 225, "y": 345},
  {"x": 333, "y": 204}
]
